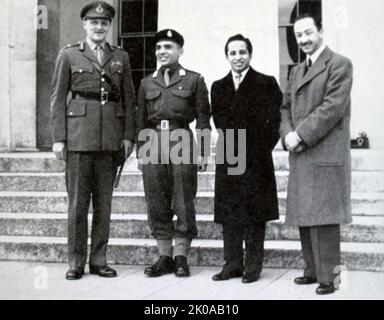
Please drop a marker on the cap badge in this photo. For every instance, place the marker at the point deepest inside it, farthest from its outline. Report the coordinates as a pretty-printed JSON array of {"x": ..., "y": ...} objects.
[
  {"x": 169, "y": 34},
  {"x": 99, "y": 9}
]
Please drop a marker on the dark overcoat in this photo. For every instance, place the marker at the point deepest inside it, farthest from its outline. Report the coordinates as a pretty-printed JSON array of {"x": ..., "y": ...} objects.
[
  {"x": 318, "y": 106},
  {"x": 251, "y": 196}
]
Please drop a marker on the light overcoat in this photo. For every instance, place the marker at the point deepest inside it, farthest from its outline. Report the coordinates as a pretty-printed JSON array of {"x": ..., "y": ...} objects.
[{"x": 318, "y": 106}]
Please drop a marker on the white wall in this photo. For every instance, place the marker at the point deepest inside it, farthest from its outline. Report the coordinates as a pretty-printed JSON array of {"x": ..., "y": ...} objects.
[
  {"x": 18, "y": 65},
  {"x": 354, "y": 28},
  {"x": 5, "y": 137},
  {"x": 23, "y": 73},
  {"x": 207, "y": 24}
]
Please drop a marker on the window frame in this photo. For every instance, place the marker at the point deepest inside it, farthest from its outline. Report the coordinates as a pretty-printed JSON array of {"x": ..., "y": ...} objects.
[{"x": 146, "y": 36}]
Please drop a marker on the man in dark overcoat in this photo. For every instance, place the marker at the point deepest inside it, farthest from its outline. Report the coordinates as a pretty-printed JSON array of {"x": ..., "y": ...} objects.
[
  {"x": 315, "y": 119},
  {"x": 244, "y": 201},
  {"x": 93, "y": 129}
]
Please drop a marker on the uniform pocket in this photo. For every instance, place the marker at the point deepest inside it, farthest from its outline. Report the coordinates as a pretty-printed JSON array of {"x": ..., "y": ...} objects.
[
  {"x": 76, "y": 108},
  {"x": 82, "y": 69},
  {"x": 182, "y": 93},
  {"x": 117, "y": 69},
  {"x": 150, "y": 95}
]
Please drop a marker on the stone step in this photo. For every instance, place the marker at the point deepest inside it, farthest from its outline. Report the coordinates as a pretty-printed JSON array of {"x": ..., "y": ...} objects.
[
  {"x": 363, "y": 229},
  {"x": 362, "y": 160},
  {"x": 362, "y": 181},
  {"x": 278, "y": 254},
  {"x": 134, "y": 202}
]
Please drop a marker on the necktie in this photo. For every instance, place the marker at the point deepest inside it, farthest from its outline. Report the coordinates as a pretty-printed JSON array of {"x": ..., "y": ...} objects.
[
  {"x": 307, "y": 66},
  {"x": 166, "y": 76},
  {"x": 99, "y": 54},
  {"x": 237, "y": 80}
]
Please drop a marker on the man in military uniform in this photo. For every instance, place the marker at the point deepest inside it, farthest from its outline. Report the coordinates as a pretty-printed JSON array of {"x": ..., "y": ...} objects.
[
  {"x": 168, "y": 101},
  {"x": 93, "y": 124}
]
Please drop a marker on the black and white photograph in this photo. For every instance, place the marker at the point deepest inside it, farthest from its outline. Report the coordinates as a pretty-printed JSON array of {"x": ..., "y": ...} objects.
[{"x": 202, "y": 153}]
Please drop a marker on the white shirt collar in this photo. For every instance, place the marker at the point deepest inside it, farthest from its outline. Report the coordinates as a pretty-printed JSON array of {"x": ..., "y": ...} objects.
[
  {"x": 243, "y": 74},
  {"x": 316, "y": 54},
  {"x": 93, "y": 45}
]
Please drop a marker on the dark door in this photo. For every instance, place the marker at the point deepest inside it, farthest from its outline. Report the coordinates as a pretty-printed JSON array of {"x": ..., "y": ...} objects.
[
  {"x": 48, "y": 41},
  {"x": 64, "y": 27}
]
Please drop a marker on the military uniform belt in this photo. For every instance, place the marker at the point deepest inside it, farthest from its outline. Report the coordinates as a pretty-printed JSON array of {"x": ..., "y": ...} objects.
[
  {"x": 104, "y": 96},
  {"x": 164, "y": 125}
]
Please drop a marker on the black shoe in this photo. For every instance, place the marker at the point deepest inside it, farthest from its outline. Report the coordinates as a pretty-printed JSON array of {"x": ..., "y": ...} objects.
[
  {"x": 325, "y": 288},
  {"x": 74, "y": 273},
  {"x": 103, "y": 271},
  {"x": 250, "y": 277},
  {"x": 162, "y": 266},
  {"x": 305, "y": 280},
  {"x": 227, "y": 274},
  {"x": 181, "y": 267}
]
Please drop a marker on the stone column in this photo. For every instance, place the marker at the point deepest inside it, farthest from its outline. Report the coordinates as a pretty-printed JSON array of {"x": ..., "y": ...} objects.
[
  {"x": 18, "y": 72},
  {"x": 5, "y": 137}
]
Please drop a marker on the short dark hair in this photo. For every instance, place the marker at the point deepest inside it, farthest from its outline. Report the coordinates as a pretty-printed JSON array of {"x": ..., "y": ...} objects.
[
  {"x": 239, "y": 37},
  {"x": 315, "y": 17}
]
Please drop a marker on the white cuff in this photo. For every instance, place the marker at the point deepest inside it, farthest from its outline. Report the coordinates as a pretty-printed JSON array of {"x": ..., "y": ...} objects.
[{"x": 298, "y": 137}]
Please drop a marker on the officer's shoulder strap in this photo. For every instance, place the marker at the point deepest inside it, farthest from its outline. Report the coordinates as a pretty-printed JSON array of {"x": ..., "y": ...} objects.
[
  {"x": 182, "y": 69},
  {"x": 187, "y": 70},
  {"x": 113, "y": 47},
  {"x": 194, "y": 73},
  {"x": 79, "y": 45},
  {"x": 152, "y": 75}
]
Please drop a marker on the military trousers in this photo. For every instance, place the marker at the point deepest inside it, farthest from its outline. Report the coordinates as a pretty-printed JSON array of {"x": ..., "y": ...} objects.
[
  {"x": 253, "y": 236},
  {"x": 170, "y": 186},
  {"x": 170, "y": 189},
  {"x": 89, "y": 175},
  {"x": 321, "y": 251}
]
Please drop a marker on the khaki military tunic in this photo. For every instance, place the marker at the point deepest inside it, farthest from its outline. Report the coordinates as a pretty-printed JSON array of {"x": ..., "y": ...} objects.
[
  {"x": 92, "y": 111},
  {"x": 87, "y": 124},
  {"x": 170, "y": 188}
]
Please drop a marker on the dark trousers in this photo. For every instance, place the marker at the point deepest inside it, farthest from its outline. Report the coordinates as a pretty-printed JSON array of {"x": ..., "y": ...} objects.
[
  {"x": 171, "y": 190},
  {"x": 89, "y": 175},
  {"x": 254, "y": 247},
  {"x": 321, "y": 251}
]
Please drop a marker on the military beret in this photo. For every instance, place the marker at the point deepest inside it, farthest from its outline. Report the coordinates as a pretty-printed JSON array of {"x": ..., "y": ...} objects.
[
  {"x": 98, "y": 9},
  {"x": 171, "y": 35}
]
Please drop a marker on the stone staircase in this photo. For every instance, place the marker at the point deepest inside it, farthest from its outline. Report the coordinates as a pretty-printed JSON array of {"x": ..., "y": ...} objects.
[{"x": 33, "y": 222}]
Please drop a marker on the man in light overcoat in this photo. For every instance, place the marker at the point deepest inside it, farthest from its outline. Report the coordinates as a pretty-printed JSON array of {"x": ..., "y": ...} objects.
[{"x": 315, "y": 121}]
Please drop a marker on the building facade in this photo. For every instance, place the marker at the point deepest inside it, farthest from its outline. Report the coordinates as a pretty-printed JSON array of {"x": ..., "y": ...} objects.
[{"x": 33, "y": 31}]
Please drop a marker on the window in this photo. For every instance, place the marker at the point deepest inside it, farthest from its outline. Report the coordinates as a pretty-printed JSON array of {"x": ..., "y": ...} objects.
[
  {"x": 290, "y": 54},
  {"x": 138, "y": 26}
]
